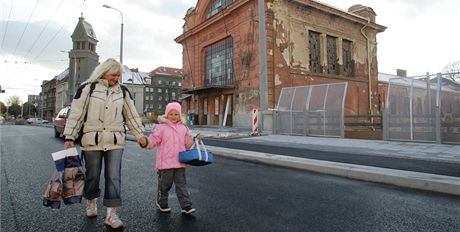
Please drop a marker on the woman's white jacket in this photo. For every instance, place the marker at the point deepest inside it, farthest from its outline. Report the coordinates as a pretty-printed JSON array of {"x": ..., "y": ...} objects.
[{"x": 107, "y": 111}]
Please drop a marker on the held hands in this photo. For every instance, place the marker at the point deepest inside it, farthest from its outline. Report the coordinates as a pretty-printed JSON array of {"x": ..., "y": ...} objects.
[{"x": 142, "y": 141}]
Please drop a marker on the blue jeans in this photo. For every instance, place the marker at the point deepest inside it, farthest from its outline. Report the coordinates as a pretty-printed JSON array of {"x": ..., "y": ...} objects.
[{"x": 112, "y": 176}]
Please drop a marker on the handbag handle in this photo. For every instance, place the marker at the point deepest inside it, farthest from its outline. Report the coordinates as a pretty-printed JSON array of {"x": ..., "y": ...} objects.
[{"x": 200, "y": 145}]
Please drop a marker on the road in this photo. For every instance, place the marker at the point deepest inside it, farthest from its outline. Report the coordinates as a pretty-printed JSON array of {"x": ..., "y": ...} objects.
[{"x": 229, "y": 195}]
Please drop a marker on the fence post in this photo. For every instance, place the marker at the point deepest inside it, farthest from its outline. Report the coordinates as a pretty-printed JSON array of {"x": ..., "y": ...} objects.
[
  {"x": 438, "y": 108},
  {"x": 385, "y": 123}
]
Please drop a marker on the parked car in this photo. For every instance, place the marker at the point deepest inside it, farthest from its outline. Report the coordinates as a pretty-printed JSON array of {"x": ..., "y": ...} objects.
[
  {"x": 36, "y": 121},
  {"x": 60, "y": 121}
]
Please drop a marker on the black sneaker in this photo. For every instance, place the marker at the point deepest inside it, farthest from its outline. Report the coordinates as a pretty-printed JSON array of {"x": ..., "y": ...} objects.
[
  {"x": 163, "y": 208},
  {"x": 188, "y": 210}
]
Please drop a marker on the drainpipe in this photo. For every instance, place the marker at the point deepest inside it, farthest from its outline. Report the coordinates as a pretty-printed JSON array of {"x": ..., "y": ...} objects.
[{"x": 368, "y": 71}]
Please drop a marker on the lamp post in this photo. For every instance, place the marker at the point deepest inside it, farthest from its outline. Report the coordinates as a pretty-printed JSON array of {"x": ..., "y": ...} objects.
[
  {"x": 121, "y": 36},
  {"x": 74, "y": 75},
  {"x": 262, "y": 65}
]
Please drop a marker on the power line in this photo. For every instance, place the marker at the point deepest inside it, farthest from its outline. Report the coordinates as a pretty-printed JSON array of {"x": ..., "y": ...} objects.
[
  {"x": 60, "y": 29},
  {"x": 41, "y": 32},
  {"x": 25, "y": 28},
  {"x": 7, "y": 22}
]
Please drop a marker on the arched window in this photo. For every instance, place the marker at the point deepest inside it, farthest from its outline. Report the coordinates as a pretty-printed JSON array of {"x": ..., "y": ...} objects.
[{"x": 217, "y": 6}]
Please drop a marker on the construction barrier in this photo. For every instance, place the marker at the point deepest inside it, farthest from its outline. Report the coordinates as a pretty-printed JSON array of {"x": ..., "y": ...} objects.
[{"x": 255, "y": 122}]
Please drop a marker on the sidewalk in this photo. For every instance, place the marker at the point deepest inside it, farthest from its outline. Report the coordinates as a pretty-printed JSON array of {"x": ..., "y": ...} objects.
[{"x": 408, "y": 150}]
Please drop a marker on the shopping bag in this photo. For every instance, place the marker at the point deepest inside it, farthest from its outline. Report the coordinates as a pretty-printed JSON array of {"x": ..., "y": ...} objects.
[
  {"x": 197, "y": 155},
  {"x": 67, "y": 182}
]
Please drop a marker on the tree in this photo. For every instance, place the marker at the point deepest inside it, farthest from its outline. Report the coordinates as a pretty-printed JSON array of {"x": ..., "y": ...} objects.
[
  {"x": 14, "y": 105},
  {"x": 452, "y": 71},
  {"x": 2, "y": 108}
]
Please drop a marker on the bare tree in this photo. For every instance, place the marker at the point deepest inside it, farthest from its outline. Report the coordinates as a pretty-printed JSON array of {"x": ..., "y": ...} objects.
[
  {"x": 452, "y": 71},
  {"x": 14, "y": 105},
  {"x": 13, "y": 100},
  {"x": 2, "y": 108}
]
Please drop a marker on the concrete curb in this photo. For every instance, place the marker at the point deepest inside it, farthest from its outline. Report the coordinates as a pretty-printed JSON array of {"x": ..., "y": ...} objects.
[{"x": 408, "y": 179}]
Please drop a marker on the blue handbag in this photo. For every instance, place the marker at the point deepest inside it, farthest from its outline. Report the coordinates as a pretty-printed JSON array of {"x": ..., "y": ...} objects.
[{"x": 197, "y": 155}]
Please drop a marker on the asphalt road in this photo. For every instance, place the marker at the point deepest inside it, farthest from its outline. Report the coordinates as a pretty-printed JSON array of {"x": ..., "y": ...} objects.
[
  {"x": 425, "y": 166},
  {"x": 229, "y": 195}
]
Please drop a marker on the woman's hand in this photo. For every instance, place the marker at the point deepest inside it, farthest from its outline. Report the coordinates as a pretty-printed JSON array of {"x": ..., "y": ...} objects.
[{"x": 69, "y": 144}]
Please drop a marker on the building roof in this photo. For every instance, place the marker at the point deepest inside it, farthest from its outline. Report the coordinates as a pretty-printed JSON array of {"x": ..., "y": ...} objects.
[
  {"x": 447, "y": 85},
  {"x": 133, "y": 76},
  {"x": 167, "y": 71},
  {"x": 385, "y": 77},
  {"x": 62, "y": 75}
]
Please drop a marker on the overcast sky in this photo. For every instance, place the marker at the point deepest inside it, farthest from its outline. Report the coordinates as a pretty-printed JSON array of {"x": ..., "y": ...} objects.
[{"x": 422, "y": 35}]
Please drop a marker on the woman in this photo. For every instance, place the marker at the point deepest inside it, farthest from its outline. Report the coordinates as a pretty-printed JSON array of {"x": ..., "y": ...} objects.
[{"x": 102, "y": 107}]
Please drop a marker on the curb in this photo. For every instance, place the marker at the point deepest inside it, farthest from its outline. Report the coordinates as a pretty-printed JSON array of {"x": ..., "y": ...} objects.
[{"x": 408, "y": 179}]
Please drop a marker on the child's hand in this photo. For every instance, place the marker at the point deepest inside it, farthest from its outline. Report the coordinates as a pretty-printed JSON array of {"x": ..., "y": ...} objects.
[{"x": 199, "y": 136}]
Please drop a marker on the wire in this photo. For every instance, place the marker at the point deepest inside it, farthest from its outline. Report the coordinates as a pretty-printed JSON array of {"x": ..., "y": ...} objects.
[
  {"x": 7, "y": 22},
  {"x": 60, "y": 29},
  {"x": 43, "y": 29},
  {"x": 25, "y": 28}
]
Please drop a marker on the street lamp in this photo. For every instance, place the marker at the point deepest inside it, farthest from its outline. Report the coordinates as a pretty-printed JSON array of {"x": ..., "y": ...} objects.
[
  {"x": 121, "y": 37},
  {"x": 74, "y": 76}
]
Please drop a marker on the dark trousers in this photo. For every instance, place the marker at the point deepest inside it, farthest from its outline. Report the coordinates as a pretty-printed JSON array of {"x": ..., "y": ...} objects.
[
  {"x": 165, "y": 180},
  {"x": 112, "y": 176}
]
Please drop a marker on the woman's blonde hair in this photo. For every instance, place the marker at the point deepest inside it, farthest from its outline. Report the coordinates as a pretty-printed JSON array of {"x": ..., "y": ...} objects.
[{"x": 109, "y": 66}]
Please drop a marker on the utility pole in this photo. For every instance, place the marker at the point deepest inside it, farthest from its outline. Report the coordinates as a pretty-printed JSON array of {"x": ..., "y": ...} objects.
[{"x": 263, "y": 93}]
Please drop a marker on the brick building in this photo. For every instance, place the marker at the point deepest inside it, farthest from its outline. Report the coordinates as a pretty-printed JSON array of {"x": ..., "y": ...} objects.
[{"x": 307, "y": 42}]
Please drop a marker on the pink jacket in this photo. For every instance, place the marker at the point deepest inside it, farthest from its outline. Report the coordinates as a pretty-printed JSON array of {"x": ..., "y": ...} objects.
[{"x": 170, "y": 139}]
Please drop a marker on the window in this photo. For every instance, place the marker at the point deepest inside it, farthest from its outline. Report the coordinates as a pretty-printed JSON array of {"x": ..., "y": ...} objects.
[
  {"x": 332, "y": 67},
  {"x": 219, "y": 63},
  {"x": 347, "y": 62},
  {"x": 217, "y": 6},
  {"x": 91, "y": 47},
  {"x": 315, "y": 52},
  {"x": 159, "y": 90},
  {"x": 159, "y": 82}
]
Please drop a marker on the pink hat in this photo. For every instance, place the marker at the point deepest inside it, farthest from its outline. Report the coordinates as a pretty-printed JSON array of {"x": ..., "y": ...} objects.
[{"x": 173, "y": 106}]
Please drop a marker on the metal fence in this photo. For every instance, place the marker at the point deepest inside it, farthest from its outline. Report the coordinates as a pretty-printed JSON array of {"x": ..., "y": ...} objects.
[
  {"x": 315, "y": 110},
  {"x": 423, "y": 110}
]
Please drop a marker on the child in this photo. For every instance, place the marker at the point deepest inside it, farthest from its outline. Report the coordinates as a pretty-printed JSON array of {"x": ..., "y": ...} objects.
[{"x": 170, "y": 137}]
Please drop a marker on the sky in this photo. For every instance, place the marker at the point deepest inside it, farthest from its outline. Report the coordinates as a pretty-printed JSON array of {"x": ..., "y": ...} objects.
[{"x": 421, "y": 36}]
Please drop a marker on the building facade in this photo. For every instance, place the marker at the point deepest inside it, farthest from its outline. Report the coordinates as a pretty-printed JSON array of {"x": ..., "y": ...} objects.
[
  {"x": 135, "y": 80},
  {"x": 307, "y": 43},
  {"x": 83, "y": 57},
  {"x": 164, "y": 86},
  {"x": 49, "y": 99}
]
